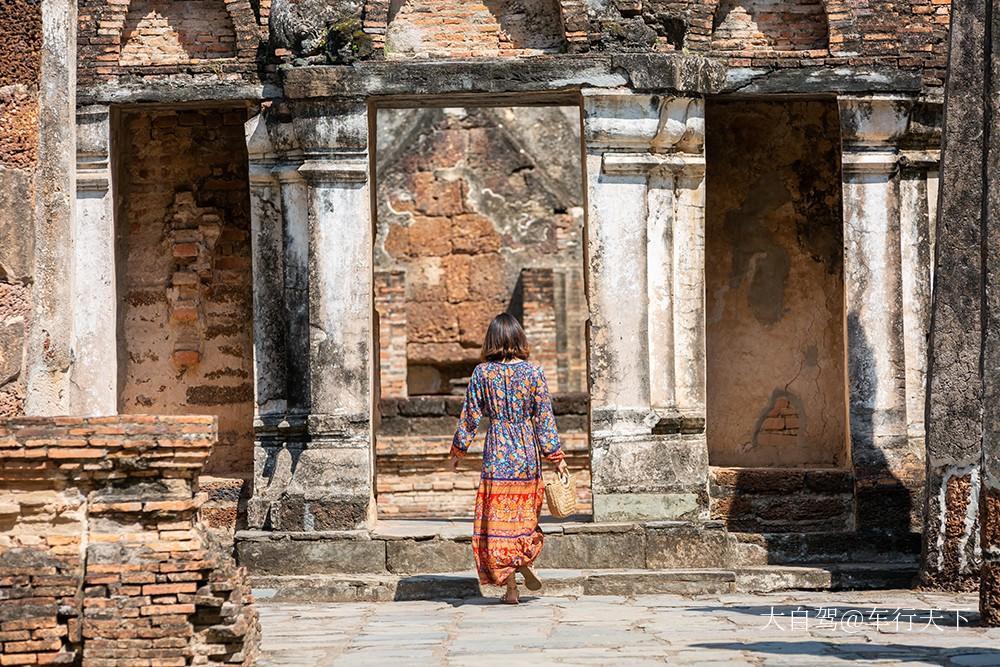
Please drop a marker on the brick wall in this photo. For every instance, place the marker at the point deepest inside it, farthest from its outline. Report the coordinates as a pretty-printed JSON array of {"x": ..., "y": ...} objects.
[
  {"x": 539, "y": 321},
  {"x": 759, "y": 33},
  {"x": 167, "y": 32},
  {"x": 390, "y": 303},
  {"x": 102, "y": 558},
  {"x": 215, "y": 40},
  {"x": 414, "y": 478},
  {"x": 186, "y": 299},
  {"x": 21, "y": 26},
  {"x": 776, "y": 500}
]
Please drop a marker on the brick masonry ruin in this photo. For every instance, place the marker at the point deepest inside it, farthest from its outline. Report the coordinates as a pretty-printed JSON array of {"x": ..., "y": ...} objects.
[
  {"x": 102, "y": 557},
  {"x": 226, "y": 250}
]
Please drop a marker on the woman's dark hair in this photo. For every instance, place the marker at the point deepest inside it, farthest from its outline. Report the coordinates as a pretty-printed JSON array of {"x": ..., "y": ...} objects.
[{"x": 505, "y": 339}]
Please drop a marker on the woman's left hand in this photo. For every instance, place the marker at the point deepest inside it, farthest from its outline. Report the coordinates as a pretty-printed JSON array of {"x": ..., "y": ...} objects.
[
  {"x": 455, "y": 461},
  {"x": 562, "y": 468}
]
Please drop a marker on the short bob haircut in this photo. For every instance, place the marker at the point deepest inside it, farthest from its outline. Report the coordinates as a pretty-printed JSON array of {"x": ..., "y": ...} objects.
[{"x": 505, "y": 340}]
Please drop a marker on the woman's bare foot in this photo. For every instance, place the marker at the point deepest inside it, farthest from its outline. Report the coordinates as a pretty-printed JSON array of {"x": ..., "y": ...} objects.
[{"x": 510, "y": 595}]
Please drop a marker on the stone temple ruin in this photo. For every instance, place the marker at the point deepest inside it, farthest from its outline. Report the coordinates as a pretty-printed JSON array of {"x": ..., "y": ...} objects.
[{"x": 714, "y": 217}]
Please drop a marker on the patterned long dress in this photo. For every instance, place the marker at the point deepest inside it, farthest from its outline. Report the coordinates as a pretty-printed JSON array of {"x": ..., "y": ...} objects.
[{"x": 515, "y": 398}]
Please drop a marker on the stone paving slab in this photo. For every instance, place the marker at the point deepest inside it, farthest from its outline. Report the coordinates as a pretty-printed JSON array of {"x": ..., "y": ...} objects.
[{"x": 899, "y": 627}]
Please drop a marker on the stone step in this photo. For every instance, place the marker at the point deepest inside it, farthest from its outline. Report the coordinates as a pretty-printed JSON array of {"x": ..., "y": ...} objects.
[
  {"x": 626, "y": 582},
  {"x": 426, "y": 547}
]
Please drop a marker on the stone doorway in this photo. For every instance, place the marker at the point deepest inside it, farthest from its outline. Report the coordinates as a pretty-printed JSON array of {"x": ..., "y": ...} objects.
[
  {"x": 776, "y": 364},
  {"x": 184, "y": 282},
  {"x": 477, "y": 211}
]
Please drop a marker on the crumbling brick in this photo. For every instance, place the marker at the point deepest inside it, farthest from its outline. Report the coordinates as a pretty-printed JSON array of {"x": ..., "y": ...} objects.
[{"x": 154, "y": 586}]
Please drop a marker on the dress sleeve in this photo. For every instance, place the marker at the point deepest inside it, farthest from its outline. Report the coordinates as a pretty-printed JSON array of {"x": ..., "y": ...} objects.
[
  {"x": 472, "y": 412},
  {"x": 545, "y": 422}
]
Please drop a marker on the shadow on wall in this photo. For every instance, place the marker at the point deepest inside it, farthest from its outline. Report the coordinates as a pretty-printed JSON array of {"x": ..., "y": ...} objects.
[{"x": 884, "y": 502}]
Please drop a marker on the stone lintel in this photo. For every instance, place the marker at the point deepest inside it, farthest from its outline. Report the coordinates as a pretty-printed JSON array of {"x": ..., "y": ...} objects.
[
  {"x": 504, "y": 81},
  {"x": 752, "y": 81},
  {"x": 178, "y": 90}
]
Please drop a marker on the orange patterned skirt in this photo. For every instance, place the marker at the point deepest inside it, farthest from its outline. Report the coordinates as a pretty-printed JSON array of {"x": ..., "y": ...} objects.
[{"x": 506, "y": 535}]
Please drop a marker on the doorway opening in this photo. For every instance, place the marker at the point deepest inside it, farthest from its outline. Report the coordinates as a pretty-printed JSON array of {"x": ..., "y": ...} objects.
[
  {"x": 776, "y": 376},
  {"x": 478, "y": 211},
  {"x": 185, "y": 326}
]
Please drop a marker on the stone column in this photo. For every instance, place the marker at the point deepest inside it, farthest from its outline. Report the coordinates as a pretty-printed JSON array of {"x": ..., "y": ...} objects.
[
  {"x": 266, "y": 229},
  {"x": 314, "y": 463},
  {"x": 885, "y": 465},
  {"x": 94, "y": 375},
  {"x": 50, "y": 341},
  {"x": 645, "y": 172},
  {"x": 917, "y": 195}
]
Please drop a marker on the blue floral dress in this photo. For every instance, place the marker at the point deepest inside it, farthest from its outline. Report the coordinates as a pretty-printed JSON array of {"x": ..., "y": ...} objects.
[{"x": 515, "y": 398}]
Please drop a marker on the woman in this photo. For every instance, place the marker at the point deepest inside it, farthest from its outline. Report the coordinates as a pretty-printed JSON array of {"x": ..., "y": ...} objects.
[{"x": 513, "y": 394}]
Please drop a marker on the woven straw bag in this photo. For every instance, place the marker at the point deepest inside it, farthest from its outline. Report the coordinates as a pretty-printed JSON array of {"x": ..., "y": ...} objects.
[{"x": 560, "y": 495}]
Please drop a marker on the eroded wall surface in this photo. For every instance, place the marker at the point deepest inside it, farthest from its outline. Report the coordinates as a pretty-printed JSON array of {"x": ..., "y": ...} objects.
[
  {"x": 774, "y": 284},
  {"x": 186, "y": 285},
  {"x": 21, "y": 25}
]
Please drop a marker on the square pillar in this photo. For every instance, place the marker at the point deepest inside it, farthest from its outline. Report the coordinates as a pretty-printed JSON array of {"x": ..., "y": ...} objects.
[
  {"x": 313, "y": 460},
  {"x": 646, "y": 198},
  {"x": 49, "y": 344},
  {"x": 888, "y": 471},
  {"x": 94, "y": 374}
]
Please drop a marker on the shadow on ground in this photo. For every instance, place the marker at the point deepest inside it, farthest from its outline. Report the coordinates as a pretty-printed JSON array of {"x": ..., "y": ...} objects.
[{"x": 900, "y": 654}]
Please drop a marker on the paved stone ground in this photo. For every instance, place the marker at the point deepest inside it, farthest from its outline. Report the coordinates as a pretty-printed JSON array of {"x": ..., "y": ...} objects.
[{"x": 800, "y": 628}]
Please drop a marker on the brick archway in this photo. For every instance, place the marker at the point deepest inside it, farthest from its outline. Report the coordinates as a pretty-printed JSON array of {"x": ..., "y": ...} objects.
[
  {"x": 515, "y": 35},
  {"x": 762, "y": 25},
  {"x": 105, "y": 35}
]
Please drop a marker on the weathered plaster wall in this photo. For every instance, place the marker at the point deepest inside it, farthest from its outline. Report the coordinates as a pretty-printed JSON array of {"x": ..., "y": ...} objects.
[
  {"x": 774, "y": 284},
  {"x": 21, "y": 25},
  {"x": 186, "y": 295},
  {"x": 468, "y": 199}
]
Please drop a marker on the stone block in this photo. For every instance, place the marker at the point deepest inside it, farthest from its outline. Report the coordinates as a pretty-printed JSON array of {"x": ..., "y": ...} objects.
[
  {"x": 692, "y": 582},
  {"x": 312, "y": 556},
  {"x": 11, "y": 349},
  {"x": 686, "y": 547},
  {"x": 594, "y": 550},
  {"x": 422, "y": 556},
  {"x": 650, "y": 464},
  {"x": 16, "y": 228},
  {"x": 648, "y": 506}
]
